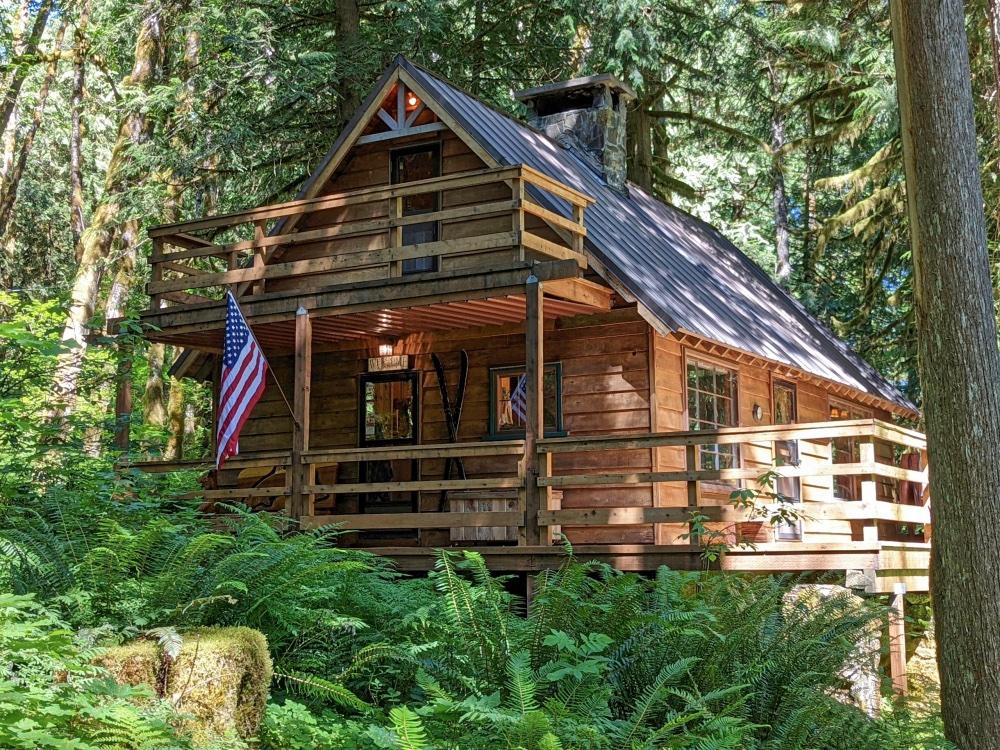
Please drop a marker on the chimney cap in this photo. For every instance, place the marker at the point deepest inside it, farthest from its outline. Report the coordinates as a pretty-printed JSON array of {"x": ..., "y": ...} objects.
[{"x": 576, "y": 84}]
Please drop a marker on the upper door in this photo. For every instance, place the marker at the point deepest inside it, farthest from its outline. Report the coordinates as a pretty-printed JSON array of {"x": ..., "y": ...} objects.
[
  {"x": 409, "y": 165},
  {"x": 786, "y": 453}
]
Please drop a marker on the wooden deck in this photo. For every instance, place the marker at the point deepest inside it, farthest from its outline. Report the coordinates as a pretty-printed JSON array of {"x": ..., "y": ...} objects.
[{"x": 868, "y": 560}]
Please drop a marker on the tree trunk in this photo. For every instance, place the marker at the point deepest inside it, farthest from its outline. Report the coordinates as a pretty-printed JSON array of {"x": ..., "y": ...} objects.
[
  {"x": 8, "y": 196},
  {"x": 639, "y": 146},
  {"x": 10, "y": 135},
  {"x": 80, "y": 48},
  {"x": 134, "y": 129},
  {"x": 175, "y": 418},
  {"x": 22, "y": 69},
  {"x": 348, "y": 36},
  {"x": 810, "y": 223},
  {"x": 959, "y": 359},
  {"x": 779, "y": 204}
]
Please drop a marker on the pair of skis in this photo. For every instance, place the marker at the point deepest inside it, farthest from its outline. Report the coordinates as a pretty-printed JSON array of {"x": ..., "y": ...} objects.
[{"x": 452, "y": 416}]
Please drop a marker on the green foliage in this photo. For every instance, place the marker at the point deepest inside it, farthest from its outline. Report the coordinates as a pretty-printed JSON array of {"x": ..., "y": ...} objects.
[
  {"x": 611, "y": 660},
  {"x": 51, "y": 696}
]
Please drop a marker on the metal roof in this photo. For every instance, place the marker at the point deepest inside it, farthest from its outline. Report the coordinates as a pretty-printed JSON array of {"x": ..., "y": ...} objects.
[{"x": 680, "y": 268}]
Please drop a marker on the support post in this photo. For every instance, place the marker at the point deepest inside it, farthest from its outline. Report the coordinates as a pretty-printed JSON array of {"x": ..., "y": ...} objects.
[
  {"x": 691, "y": 462},
  {"x": 259, "y": 232},
  {"x": 300, "y": 503},
  {"x": 123, "y": 402},
  {"x": 869, "y": 490},
  {"x": 534, "y": 428},
  {"x": 897, "y": 640}
]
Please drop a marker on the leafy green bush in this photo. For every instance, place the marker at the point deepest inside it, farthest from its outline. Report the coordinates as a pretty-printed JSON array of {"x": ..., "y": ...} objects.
[{"x": 608, "y": 660}]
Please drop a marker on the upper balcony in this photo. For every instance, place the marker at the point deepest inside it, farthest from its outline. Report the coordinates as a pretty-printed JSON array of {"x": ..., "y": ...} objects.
[{"x": 477, "y": 222}]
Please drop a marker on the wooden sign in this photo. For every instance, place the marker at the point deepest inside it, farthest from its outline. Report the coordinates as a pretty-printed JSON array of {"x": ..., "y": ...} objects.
[{"x": 389, "y": 364}]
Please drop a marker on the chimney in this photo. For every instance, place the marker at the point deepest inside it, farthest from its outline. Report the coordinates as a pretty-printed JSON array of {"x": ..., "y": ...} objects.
[{"x": 587, "y": 116}]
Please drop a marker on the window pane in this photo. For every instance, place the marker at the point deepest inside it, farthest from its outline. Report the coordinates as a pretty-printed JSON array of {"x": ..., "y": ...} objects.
[{"x": 505, "y": 383}]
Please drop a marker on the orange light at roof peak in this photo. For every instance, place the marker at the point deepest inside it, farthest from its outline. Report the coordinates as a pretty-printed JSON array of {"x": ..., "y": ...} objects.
[{"x": 412, "y": 100}]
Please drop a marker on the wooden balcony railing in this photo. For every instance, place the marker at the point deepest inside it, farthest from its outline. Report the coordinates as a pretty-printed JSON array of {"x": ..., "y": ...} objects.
[
  {"x": 196, "y": 261},
  {"x": 868, "y": 509}
]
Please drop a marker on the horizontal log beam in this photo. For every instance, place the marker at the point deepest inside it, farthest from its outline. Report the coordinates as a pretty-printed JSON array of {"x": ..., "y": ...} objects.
[
  {"x": 437, "y": 485},
  {"x": 727, "y": 475},
  {"x": 338, "y": 200},
  {"x": 840, "y": 511},
  {"x": 344, "y": 231},
  {"x": 448, "y": 450},
  {"x": 734, "y": 435},
  {"x": 362, "y": 297},
  {"x": 369, "y": 521},
  {"x": 340, "y": 262}
]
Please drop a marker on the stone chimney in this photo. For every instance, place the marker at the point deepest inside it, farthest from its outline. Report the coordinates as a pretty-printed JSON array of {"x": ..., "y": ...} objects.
[{"x": 587, "y": 116}]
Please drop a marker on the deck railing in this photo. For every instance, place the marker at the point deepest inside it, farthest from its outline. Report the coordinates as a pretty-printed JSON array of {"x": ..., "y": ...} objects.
[
  {"x": 196, "y": 261},
  {"x": 868, "y": 509}
]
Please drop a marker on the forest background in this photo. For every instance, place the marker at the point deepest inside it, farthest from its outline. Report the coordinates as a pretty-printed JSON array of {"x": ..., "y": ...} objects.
[{"x": 775, "y": 121}]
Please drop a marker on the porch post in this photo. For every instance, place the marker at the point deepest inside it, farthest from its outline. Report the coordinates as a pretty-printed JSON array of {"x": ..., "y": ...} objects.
[
  {"x": 123, "y": 402},
  {"x": 897, "y": 640},
  {"x": 534, "y": 427},
  {"x": 301, "y": 504}
]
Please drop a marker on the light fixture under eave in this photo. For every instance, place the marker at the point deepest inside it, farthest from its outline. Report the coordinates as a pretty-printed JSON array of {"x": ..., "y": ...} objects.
[
  {"x": 385, "y": 350},
  {"x": 411, "y": 100}
]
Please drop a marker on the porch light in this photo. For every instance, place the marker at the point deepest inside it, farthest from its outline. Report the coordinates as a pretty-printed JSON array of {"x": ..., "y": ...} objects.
[{"x": 385, "y": 350}]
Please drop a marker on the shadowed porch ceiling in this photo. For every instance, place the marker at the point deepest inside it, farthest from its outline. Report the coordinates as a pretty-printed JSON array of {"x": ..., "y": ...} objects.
[{"x": 389, "y": 322}]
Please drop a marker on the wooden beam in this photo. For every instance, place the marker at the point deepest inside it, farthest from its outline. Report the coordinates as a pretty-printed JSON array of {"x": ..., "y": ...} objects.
[
  {"x": 337, "y": 200},
  {"x": 359, "y": 297},
  {"x": 582, "y": 291},
  {"x": 431, "y": 127},
  {"x": 444, "y": 450},
  {"x": 123, "y": 403},
  {"x": 534, "y": 428},
  {"x": 301, "y": 504},
  {"x": 897, "y": 640},
  {"x": 368, "y": 521},
  {"x": 428, "y": 485},
  {"x": 339, "y": 262}
]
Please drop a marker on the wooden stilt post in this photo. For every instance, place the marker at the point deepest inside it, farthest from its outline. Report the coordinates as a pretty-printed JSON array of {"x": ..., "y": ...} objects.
[
  {"x": 123, "y": 402},
  {"x": 534, "y": 428},
  {"x": 301, "y": 503},
  {"x": 897, "y": 640}
]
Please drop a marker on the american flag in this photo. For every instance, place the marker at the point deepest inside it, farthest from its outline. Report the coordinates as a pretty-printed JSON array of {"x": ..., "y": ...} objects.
[
  {"x": 519, "y": 400},
  {"x": 243, "y": 371}
]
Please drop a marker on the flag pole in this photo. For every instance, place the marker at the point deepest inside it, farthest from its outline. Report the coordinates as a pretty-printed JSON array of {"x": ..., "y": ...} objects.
[{"x": 274, "y": 377}]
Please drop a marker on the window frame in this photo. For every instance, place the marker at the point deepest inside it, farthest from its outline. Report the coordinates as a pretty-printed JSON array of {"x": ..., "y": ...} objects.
[
  {"x": 494, "y": 433},
  {"x": 696, "y": 357},
  {"x": 413, "y": 376}
]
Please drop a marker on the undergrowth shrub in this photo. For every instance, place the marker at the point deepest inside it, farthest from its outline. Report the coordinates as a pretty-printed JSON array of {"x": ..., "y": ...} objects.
[{"x": 52, "y": 696}]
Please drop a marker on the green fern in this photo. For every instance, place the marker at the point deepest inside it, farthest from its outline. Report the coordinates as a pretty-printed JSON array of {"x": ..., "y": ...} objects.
[{"x": 409, "y": 730}]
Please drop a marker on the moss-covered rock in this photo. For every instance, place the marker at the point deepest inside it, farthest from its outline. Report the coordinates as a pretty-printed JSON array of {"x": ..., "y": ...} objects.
[{"x": 220, "y": 678}]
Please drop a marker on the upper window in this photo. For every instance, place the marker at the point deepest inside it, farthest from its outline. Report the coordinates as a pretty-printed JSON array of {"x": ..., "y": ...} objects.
[
  {"x": 711, "y": 396},
  {"x": 506, "y": 404},
  {"x": 411, "y": 165}
]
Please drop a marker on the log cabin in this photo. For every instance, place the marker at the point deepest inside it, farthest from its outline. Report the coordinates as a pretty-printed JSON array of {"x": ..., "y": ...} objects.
[{"x": 493, "y": 341}]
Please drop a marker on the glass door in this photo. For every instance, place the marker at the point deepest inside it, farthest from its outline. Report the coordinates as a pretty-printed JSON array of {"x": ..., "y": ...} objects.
[
  {"x": 389, "y": 415},
  {"x": 786, "y": 453}
]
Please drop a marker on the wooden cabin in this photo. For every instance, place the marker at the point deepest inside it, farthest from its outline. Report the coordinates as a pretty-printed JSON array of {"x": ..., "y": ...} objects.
[{"x": 443, "y": 251}]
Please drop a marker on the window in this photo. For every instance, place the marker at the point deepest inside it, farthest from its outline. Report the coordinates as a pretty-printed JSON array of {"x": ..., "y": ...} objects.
[
  {"x": 846, "y": 450},
  {"x": 503, "y": 419},
  {"x": 711, "y": 394},
  {"x": 410, "y": 165}
]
